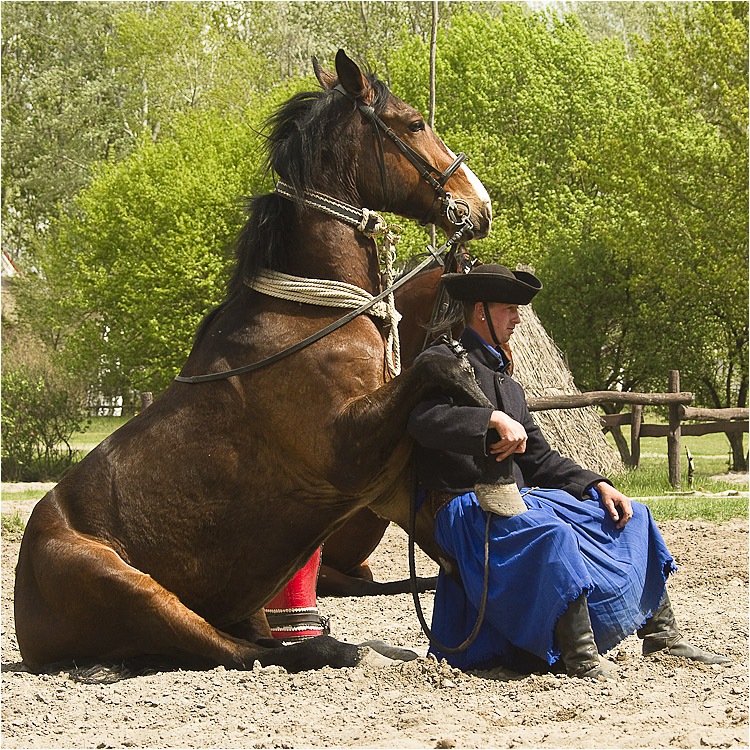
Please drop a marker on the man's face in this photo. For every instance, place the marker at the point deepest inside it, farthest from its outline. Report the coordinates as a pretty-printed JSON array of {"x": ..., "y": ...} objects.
[{"x": 504, "y": 319}]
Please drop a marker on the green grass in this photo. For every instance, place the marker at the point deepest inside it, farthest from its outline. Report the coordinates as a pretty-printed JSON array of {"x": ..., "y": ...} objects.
[
  {"x": 12, "y": 525},
  {"x": 100, "y": 428},
  {"x": 712, "y": 458},
  {"x": 693, "y": 507}
]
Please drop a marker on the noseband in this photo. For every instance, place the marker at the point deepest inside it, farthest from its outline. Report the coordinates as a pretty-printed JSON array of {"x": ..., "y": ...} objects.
[{"x": 458, "y": 210}]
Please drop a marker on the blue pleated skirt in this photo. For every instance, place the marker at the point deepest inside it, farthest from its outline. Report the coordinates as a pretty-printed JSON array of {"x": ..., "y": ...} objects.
[{"x": 540, "y": 561}]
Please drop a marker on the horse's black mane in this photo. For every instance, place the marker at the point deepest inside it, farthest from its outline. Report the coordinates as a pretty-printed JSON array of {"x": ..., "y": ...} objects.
[{"x": 305, "y": 139}]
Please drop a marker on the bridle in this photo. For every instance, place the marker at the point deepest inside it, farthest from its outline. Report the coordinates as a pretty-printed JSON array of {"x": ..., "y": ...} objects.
[{"x": 458, "y": 210}]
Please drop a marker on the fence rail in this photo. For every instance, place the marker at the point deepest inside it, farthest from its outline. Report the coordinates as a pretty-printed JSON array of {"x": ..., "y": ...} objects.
[{"x": 715, "y": 420}]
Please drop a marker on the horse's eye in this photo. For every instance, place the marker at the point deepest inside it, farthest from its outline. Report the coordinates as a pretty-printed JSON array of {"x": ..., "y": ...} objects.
[{"x": 416, "y": 126}]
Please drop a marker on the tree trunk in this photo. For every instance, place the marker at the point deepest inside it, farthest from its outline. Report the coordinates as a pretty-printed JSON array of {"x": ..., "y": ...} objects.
[
  {"x": 739, "y": 457},
  {"x": 621, "y": 443}
]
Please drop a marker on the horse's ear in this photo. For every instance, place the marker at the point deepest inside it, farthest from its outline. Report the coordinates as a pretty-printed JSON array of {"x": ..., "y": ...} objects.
[
  {"x": 327, "y": 80},
  {"x": 352, "y": 78}
]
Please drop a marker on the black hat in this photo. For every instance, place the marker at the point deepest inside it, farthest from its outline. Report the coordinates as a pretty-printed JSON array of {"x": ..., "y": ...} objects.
[{"x": 492, "y": 283}]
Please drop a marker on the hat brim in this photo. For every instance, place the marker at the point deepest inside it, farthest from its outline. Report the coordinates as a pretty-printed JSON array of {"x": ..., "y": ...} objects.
[{"x": 518, "y": 289}]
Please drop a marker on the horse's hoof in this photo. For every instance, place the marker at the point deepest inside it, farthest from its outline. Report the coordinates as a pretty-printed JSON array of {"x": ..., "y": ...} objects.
[
  {"x": 372, "y": 658},
  {"x": 396, "y": 653}
]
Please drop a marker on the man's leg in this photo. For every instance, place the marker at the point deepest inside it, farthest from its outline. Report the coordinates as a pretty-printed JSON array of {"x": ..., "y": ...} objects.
[
  {"x": 575, "y": 639},
  {"x": 660, "y": 633}
]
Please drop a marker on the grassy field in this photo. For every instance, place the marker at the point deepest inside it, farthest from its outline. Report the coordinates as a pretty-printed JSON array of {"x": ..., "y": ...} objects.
[{"x": 99, "y": 428}]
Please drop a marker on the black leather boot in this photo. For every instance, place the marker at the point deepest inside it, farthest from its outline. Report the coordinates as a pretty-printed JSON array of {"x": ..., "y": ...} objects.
[
  {"x": 660, "y": 633},
  {"x": 575, "y": 639}
]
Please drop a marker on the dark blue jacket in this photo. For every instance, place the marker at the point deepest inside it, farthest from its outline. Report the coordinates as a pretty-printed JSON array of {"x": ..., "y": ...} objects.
[{"x": 452, "y": 452}]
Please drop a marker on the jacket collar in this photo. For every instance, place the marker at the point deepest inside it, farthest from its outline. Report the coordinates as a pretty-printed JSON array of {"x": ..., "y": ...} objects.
[{"x": 482, "y": 351}]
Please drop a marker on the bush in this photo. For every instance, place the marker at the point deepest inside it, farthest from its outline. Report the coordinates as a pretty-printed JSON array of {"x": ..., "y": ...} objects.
[{"x": 41, "y": 410}]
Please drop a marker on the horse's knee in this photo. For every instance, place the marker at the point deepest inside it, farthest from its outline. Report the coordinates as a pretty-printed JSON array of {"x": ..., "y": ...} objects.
[{"x": 452, "y": 376}]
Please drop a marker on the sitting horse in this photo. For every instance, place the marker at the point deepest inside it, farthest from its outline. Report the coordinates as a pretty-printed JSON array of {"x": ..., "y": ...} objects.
[{"x": 170, "y": 536}]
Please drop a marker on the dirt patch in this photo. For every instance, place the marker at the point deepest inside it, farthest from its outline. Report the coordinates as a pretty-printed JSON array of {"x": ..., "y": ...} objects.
[{"x": 657, "y": 702}]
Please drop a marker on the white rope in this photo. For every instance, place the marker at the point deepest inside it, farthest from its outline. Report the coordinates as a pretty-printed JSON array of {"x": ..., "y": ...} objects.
[
  {"x": 324, "y": 292},
  {"x": 330, "y": 293},
  {"x": 393, "y": 343}
]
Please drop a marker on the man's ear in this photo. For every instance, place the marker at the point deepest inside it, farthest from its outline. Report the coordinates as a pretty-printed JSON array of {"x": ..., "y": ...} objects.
[
  {"x": 326, "y": 79},
  {"x": 352, "y": 78}
]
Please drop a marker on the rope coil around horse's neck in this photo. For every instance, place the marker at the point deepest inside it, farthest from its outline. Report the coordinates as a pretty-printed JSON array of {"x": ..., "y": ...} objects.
[{"x": 331, "y": 293}]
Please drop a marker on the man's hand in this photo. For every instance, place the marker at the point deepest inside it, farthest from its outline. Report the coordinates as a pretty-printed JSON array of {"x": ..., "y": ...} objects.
[
  {"x": 613, "y": 499},
  {"x": 512, "y": 436}
]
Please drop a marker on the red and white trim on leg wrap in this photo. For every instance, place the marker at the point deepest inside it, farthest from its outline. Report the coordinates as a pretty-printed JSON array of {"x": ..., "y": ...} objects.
[{"x": 293, "y": 613}]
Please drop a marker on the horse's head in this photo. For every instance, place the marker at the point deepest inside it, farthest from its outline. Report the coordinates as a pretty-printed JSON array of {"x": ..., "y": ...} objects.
[{"x": 394, "y": 161}]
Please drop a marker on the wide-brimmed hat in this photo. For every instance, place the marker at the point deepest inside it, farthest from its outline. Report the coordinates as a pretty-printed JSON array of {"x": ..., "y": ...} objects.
[{"x": 492, "y": 283}]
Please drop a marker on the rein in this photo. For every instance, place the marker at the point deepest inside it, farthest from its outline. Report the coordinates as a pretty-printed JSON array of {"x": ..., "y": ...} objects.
[
  {"x": 192, "y": 379},
  {"x": 460, "y": 352},
  {"x": 415, "y": 594}
]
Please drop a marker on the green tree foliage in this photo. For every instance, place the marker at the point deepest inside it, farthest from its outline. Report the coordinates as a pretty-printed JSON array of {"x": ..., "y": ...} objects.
[
  {"x": 57, "y": 106},
  {"x": 614, "y": 149},
  {"x": 43, "y": 406},
  {"x": 143, "y": 255},
  {"x": 83, "y": 82},
  {"x": 621, "y": 177}
]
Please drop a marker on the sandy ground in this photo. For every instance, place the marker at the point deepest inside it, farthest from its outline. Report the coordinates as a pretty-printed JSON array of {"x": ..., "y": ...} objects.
[{"x": 661, "y": 701}]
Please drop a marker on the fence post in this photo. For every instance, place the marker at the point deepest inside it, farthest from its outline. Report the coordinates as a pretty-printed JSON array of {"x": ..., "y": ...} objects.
[
  {"x": 636, "y": 420},
  {"x": 147, "y": 398},
  {"x": 673, "y": 434}
]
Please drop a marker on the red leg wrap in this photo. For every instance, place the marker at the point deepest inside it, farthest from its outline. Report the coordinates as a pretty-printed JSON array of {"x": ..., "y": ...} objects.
[{"x": 293, "y": 613}]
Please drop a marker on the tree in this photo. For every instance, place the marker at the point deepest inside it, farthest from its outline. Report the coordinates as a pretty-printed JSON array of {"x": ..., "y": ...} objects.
[
  {"x": 628, "y": 197},
  {"x": 57, "y": 109},
  {"x": 696, "y": 68},
  {"x": 83, "y": 81},
  {"x": 143, "y": 255}
]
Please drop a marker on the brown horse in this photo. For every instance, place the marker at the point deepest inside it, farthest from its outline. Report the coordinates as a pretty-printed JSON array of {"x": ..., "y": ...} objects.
[{"x": 171, "y": 535}]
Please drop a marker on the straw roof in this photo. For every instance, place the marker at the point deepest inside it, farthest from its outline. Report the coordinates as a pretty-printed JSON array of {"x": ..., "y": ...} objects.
[{"x": 539, "y": 367}]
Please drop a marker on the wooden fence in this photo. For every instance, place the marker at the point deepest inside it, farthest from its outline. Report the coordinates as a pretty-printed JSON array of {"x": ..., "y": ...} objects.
[{"x": 715, "y": 420}]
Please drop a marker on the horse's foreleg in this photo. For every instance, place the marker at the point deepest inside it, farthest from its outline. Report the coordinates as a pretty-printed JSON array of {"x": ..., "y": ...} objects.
[
  {"x": 333, "y": 583},
  {"x": 371, "y": 426}
]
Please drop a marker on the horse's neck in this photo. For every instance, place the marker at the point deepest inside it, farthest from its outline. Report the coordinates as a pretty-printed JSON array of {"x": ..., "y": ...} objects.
[{"x": 326, "y": 248}]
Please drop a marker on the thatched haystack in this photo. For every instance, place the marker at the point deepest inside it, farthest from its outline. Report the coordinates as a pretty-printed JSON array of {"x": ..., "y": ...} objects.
[{"x": 539, "y": 367}]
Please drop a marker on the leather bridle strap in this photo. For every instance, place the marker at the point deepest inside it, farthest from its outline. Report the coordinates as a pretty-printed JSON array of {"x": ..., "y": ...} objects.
[
  {"x": 455, "y": 210},
  {"x": 370, "y": 223},
  {"x": 413, "y": 583}
]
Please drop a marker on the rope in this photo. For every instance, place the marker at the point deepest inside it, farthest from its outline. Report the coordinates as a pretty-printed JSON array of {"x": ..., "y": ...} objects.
[{"x": 331, "y": 293}]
